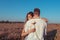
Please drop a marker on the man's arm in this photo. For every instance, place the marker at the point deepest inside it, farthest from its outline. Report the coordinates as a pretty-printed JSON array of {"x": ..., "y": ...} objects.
[{"x": 45, "y": 28}]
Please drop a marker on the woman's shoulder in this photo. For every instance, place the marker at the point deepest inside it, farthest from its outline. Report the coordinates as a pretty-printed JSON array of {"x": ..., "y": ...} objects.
[{"x": 29, "y": 22}]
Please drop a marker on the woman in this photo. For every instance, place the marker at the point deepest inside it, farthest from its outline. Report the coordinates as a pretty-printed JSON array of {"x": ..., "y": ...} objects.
[{"x": 25, "y": 32}]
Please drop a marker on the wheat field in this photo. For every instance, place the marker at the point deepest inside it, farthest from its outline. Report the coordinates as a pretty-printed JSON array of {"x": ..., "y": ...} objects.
[{"x": 12, "y": 31}]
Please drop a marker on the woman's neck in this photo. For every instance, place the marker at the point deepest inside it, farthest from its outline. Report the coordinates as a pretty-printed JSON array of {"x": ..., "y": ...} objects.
[{"x": 30, "y": 19}]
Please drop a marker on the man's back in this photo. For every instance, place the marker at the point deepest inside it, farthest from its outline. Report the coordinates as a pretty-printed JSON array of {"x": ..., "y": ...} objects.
[{"x": 40, "y": 27}]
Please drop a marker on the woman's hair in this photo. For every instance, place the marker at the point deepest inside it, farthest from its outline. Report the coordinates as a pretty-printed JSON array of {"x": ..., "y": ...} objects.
[{"x": 31, "y": 13}]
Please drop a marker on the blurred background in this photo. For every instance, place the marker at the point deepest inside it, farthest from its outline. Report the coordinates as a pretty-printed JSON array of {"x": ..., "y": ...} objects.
[
  {"x": 16, "y": 10},
  {"x": 13, "y": 13}
]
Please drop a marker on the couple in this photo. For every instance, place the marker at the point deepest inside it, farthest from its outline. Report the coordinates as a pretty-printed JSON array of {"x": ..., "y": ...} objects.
[{"x": 35, "y": 27}]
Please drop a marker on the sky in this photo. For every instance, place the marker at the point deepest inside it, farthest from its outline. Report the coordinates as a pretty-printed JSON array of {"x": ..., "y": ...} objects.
[{"x": 16, "y": 10}]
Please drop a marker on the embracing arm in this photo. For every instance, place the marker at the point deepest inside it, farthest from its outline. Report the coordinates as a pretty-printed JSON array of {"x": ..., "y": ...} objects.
[
  {"x": 26, "y": 33},
  {"x": 46, "y": 20}
]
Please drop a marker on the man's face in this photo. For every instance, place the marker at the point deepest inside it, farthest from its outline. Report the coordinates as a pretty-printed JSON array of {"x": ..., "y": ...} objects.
[{"x": 36, "y": 13}]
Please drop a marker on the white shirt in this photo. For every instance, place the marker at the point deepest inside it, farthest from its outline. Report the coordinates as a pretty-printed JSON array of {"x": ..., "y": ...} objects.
[{"x": 40, "y": 26}]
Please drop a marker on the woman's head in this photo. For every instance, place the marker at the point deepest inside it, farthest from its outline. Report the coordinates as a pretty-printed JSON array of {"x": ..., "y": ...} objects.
[{"x": 29, "y": 16}]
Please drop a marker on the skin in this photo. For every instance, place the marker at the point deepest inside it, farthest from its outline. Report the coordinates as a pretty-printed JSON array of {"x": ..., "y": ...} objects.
[
  {"x": 45, "y": 19},
  {"x": 29, "y": 31},
  {"x": 32, "y": 30},
  {"x": 36, "y": 15},
  {"x": 29, "y": 17}
]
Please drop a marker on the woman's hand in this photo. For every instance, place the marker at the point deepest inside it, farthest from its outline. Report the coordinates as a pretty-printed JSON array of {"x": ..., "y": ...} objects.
[
  {"x": 32, "y": 30},
  {"x": 28, "y": 32}
]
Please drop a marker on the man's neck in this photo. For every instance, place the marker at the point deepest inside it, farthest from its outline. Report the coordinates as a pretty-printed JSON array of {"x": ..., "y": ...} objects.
[{"x": 36, "y": 17}]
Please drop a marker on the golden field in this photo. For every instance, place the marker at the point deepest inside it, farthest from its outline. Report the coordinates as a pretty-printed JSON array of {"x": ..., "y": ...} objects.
[{"x": 12, "y": 31}]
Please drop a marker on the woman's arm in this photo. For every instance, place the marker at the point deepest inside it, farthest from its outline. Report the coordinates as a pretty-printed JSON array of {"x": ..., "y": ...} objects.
[{"x": 26, "y": 33}]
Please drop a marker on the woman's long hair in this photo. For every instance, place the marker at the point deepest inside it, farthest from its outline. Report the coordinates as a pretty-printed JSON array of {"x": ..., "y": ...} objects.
[{"x": 31, "y": 13}]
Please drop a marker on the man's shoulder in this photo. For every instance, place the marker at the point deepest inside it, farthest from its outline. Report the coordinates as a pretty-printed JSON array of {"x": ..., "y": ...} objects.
[
  {"x": 41, "y": 20},
  {"x": 45, "y": 19}
]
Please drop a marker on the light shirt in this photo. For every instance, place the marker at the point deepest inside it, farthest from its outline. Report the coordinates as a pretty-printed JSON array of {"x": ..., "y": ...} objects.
[{"x": 40, "y": 27}]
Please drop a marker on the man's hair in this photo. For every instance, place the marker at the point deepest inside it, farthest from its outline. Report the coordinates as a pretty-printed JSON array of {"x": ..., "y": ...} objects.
[{"x": 37, "y": 10}]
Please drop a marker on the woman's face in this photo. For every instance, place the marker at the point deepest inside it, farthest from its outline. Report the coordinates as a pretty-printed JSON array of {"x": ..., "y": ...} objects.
[{"x": 30, "y": 17}]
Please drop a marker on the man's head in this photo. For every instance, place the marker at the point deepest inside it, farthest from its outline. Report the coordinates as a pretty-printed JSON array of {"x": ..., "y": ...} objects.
[{"x": 37, "y": 12}]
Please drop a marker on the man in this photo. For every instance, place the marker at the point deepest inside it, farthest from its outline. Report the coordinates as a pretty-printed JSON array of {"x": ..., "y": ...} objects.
[
  {"x": 39, "y": 24},
  {"x": 41, "y": 28}
]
